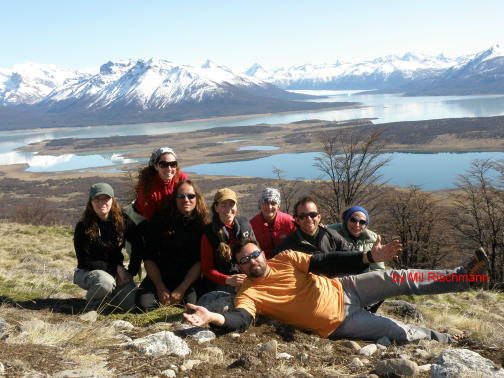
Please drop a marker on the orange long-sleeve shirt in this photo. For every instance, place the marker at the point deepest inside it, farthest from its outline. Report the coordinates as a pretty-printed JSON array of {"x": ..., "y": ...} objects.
[{"x": 289, "y": 293}]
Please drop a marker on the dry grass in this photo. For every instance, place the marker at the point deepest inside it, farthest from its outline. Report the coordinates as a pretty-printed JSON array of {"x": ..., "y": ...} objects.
[
  {"x": 37, "y": 261},
  {"x": 479, "y": 314},
  {"x": 37, "y": 331}
]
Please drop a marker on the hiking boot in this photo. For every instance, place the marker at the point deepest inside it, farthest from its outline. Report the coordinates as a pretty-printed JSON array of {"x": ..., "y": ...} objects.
[
  {"x": 477, "y": 267},
  {"x": 478, "y": 263}
]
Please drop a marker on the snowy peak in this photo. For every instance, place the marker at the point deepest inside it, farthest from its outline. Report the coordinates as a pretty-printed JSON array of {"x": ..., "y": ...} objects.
[
  {"x": 381, "y": 72},
  {"x": 496, "y": 51},
  {"x": 152, "y": 83},
  {"x": 28, "y": 83}
]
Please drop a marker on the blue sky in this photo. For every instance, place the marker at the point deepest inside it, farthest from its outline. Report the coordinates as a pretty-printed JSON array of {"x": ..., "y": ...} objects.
[{"x": 78, "y": 34}]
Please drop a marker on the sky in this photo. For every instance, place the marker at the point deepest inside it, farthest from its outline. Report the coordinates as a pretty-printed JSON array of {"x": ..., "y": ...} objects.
[{"x": 78, "y": 34}]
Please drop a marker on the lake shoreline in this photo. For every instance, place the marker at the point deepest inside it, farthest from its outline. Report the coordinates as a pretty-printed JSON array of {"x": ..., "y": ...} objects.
[{"x": 190, "y": 120}]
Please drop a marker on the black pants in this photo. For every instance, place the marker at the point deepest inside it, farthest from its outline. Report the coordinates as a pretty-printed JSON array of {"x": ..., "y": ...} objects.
[{"x": 147, "y": 294}]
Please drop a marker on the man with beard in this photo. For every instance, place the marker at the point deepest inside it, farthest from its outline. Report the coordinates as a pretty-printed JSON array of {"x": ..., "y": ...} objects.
[{"x": 289, "y": 288}]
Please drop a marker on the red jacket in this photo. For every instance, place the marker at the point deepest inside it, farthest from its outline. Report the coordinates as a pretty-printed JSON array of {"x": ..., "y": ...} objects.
[
  {"x": 269, "y": 237},
  {"x": 160, "y": 191}
]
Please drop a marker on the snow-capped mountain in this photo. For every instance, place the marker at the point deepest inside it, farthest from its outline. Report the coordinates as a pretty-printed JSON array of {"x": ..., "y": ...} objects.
[
  {"x": 384, "y": 72},
  {"x": 157, "y": 84},
  {"x": 150, "y": 91},
  {"x": 29, "y": 83},
  {"x": 481, "y": 73},
  {"x": 37, "y": 95}
]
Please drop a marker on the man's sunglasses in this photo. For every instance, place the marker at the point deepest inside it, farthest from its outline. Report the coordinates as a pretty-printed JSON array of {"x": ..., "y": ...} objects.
[
  {"x": 362, "y": 222},
  {"x": 183, "y": 196},
  {"x": 312, "y": 215},
  {"x": 245, "y": 259},
  {"x": 166, "y": 164}
]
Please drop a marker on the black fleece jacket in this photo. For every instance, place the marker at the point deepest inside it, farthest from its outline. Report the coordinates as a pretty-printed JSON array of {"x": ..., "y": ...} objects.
[{"x": 105, "y": 253}]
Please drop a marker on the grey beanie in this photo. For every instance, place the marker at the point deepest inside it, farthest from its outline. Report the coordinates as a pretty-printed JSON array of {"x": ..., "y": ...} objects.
[
  {"x": 269, "y": 195},
  {"x": 156, "y": 154}
]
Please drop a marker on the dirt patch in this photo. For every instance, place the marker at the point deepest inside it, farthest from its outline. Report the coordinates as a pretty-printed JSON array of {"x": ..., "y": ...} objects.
[{"x": 18, "y": 359}]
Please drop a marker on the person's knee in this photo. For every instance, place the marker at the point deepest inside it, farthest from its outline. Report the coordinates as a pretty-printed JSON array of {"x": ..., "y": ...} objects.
[
  {"x": 101, "y": 284},
  {"x": 147, "y": 301}
]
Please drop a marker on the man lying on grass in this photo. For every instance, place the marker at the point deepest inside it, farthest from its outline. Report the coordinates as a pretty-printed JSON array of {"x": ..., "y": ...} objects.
[{"x": 288, "y": 288}]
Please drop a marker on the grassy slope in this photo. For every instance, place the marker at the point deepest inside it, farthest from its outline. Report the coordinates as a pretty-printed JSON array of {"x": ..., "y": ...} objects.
[
  {"x": 36, "y": 277},
  {"x": 38, "y": 262}
]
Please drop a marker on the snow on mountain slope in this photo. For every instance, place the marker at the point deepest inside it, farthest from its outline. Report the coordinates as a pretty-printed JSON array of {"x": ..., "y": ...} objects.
[
  {"x": 480, "y": 62},
  {"x": 381, "y": 72},
  {"x": 481, "y": 73},
  {"x": 28, "y": 83},
  {"x": 155, "y": 83}
]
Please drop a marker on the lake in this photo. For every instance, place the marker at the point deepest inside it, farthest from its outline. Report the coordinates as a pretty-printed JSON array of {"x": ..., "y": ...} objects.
[
  {"x": 383, "y": 107},
  {"x": 431, "y": 171}
]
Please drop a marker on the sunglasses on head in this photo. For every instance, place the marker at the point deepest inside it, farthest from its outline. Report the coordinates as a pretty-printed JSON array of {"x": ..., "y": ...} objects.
[
  {"x": 362, "y": 222},
  {"x": 312, "y": 215},
  {"x": 245, "y": 259},
  {"x": 166, "y": 164},
  {"x": 184, "y": 195}
]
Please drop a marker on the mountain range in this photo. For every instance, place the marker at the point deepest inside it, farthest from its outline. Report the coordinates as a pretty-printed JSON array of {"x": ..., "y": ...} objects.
[
  {"x": 413, "y": 74},
  {"x": 133, "y": 91}
]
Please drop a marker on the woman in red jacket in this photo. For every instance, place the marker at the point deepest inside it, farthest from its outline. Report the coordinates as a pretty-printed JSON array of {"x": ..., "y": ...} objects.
[
  {"x": 271, "y": 225},
  {"x": 157, "y": 181}
]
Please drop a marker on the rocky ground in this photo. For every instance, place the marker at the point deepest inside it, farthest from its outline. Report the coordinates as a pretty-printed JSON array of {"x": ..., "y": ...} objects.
[
  {"x": 45, "y": 331},
  {"x": 41, "y": 344}
]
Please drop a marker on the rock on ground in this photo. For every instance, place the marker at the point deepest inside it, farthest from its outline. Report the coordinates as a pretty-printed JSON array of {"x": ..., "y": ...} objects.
[
  {"x": 90, "y": 316},
  {"x": 213, "y": 353},
  {"x": 78, "y": 373},
  {"x": 169, "y": 373},
  {"x": 356, "y": 362},
  {"x": 160, "y": 343},
  {"x": 201, "y": 335},
  {"x": 270, "y": 348},
  {"x": 397, "y": 366},
  {"x": 284, "y": 355},
  {"x": 122, "y": 324},
  {"x": 3, "y": 328},
  {"x": 368, "y": 350},
  {"x": 353, "y": 345},
  {"x": 453, "y": 363},
  {"x": 189, "y": 364},
  {"x": 404, "y": 309}
]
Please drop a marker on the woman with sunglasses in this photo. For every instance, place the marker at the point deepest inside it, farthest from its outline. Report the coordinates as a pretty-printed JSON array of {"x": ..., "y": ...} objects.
[
  {"x": 354, "y": 230},
  {"x": 219, "y": 236},
  {"x": 172, "y": 255},
  {"x": 98, "y": 240},
  {"x": 157, "y": 181}
]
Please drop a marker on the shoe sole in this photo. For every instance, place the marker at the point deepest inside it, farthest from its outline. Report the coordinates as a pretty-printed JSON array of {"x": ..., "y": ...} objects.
[{"x": 482, "y": 264}]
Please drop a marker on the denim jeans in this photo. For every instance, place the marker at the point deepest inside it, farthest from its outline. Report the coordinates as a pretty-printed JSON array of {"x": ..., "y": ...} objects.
[{"x": 362, "y": 290}]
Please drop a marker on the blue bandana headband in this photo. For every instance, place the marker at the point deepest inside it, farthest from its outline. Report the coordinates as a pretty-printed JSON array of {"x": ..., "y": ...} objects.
[{"x": 349, "y": 212}]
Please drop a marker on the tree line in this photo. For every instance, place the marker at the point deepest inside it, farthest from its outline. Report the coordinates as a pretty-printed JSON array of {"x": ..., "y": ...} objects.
[{"x": 436, "y": 229}]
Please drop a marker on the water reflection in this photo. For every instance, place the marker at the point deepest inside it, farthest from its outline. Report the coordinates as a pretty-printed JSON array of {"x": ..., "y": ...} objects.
[
  {"x": 258, "y": 148},
  {"x": 434, "y": 171},
  {"x": 382, "y": 108},
  {"x": 65, "y": 162}
]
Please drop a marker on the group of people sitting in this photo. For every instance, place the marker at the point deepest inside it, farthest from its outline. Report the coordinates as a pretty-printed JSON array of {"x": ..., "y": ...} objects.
[{"x": 276, "y": 264}]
